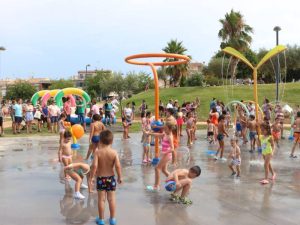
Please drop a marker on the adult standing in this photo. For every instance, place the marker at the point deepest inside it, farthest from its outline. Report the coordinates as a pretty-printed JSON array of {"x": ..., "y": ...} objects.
[
  {"x": 94, "y": 108},
  {"x": 170, "y": 104},
  {"x": 18, "y": 115},
  {"x": 28, "y": 116},
  {"x": 143, "y": 108},
  {"x": 12, "y": 115},
  {"x": 80, "y": 109},
  {"x": 161, "y": 108},
  {"x": 45, "y": 117},
  {"x": 2, "y": 104},
  {"x": 54, "y": 112},
  {"x": 67, "y": 108},
  {"x": 267, "y": 108},
  {"x": 133, "y": 109},
  {"x": 38, "y": 117},
  {"x": 212, "y": 104},
  {"x": 107, "y": 111},
  {"x": 251, "y": 109},
  {"x": 128, "y": 115}
]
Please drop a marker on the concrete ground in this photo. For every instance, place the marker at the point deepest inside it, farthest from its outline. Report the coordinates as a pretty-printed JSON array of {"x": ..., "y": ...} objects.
[{"x": 32, "y": 192}]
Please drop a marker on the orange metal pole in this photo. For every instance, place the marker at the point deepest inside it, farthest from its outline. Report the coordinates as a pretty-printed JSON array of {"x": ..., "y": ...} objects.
[{"x": 156, "y": 104}]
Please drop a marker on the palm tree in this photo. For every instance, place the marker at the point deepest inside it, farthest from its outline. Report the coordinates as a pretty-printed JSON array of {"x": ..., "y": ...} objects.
[
  {"x": 176, "y": 72},
  {"x": 236, "y": 34}
]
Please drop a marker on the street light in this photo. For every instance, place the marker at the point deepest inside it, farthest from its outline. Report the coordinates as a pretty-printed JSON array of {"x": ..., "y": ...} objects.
[
  {"x": 88, "y": 65},
  {"x": 277, "y": 29},
  {"x": 1, "y": 49}
]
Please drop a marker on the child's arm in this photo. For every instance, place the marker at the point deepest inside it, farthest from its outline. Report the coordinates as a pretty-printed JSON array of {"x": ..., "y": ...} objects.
[
  {"x": 157, "y": 134},
  {"x": 118, "y": 169}
]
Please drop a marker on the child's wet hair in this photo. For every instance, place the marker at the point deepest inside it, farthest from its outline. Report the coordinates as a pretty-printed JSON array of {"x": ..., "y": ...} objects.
[
  {"x": 298, "y": 114},
  {"x": 96, "y": 117},
  {"x": 208, "y": 121},
  {"x": 221, "y": 118},
  {"x": 106, "y": 137},
  {"x": 67, "y": 134},
  {"x": 148, "y": 114},
  {"x": 196, "y": 170},
  {"x": 63, "y": 115},
  {"x": 252, "y": 117}
]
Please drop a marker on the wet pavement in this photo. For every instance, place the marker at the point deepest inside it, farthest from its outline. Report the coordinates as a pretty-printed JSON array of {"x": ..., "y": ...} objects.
[{"x": 32, "y": 191}]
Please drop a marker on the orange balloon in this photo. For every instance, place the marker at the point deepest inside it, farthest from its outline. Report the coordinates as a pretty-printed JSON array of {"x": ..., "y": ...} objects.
[{"x": 77, "y": 131}]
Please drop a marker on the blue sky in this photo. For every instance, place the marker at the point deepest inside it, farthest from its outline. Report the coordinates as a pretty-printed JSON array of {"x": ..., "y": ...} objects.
[{"x": 56, "y": 38}]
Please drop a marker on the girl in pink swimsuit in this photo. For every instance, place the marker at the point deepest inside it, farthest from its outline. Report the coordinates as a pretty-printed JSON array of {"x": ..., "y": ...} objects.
[{"x": 167, "y": 154}]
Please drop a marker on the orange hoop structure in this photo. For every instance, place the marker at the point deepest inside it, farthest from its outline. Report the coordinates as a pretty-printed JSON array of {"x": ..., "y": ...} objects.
[{"x": 182, "y": 59}]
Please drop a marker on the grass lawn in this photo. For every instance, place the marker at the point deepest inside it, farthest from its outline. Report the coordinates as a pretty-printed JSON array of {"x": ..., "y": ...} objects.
[{"x": 224, "y": 93}]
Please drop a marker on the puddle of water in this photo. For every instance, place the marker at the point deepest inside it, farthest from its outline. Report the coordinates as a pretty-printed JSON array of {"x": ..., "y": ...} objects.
[{"x": 18, "y": 150}]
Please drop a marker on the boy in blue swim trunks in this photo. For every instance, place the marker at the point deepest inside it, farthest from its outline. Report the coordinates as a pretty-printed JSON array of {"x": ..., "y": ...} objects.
[
  {"x": 251, "y": 124},
  {"x": 104, "y": 163},
  {"x": 220, "y": 137}
]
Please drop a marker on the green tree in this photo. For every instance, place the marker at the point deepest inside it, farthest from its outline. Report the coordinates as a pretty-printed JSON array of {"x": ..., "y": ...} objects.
[
  {"x": 61, "y": 84},
  {"x": 236, "y": 34},
  {"x": 162, "y": 75},
  {"x": 216, "y": 67},
  {"x": 21, "y": 89},
  {"x": 243, "y": 70},
  {"x": 98, "y": 86},
  {"x": 176, "y": 72},
  {"x": 196, "y": 79}
]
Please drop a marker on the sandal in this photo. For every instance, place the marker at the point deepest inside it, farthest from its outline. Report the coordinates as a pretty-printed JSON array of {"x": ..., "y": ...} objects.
[
  {"x": 152, "y": 188},
  {"x": 185, "y": 201},
  {"x": 174, "y": 197}
]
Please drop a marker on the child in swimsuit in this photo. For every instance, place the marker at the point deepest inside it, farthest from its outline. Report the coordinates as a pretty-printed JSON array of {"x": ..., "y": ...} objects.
[
  {"x": 183, "y": 179},
  {"x": 296, "y": 127},
  {"x": 104, "y": 163},
  {"x": 276, "y": 131},
  {"x": 147, "y": 139},
  {"x": 235, "y": 156},
  {"x": 65, "y": 150},
  {"x": 251, "y": 124},
  {"x": 210, "y": 131},
  {"x": 221, "y": 134},
  {"x": 96, "y": 128},
  {"x": 61, "y": 126},
  {"x": 77, "y": 171},
  {"x": 189, "y": 128},
  {"x": 266, "y": 143},
  {"x": 167, "y": 154},
  {"x": 180, "y": 121}
]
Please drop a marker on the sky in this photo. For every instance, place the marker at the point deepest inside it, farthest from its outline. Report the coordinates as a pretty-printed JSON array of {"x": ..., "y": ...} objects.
[{"x": 56, "y": 38}]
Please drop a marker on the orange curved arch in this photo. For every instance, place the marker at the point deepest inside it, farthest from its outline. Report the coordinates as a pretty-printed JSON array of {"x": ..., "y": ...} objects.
[{"x": 183, "y": 59}]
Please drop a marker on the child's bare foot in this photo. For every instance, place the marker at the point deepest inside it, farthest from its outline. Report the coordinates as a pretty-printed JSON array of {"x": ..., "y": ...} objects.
[
  {"x": 264, "y": 181},
  {"x": 273, "y": 177}
]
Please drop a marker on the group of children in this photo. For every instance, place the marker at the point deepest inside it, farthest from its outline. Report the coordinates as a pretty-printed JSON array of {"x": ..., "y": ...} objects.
[
  {"x": 105, "y": 160},
  {"x": 261, "y": 133}
]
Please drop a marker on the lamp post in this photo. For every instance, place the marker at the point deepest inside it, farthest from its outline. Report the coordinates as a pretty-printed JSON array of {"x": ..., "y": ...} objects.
[
  {"x": 277, "y": 29},
  {"x": 88, "y": 65},
  {"x": 1, "y": 49}
]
